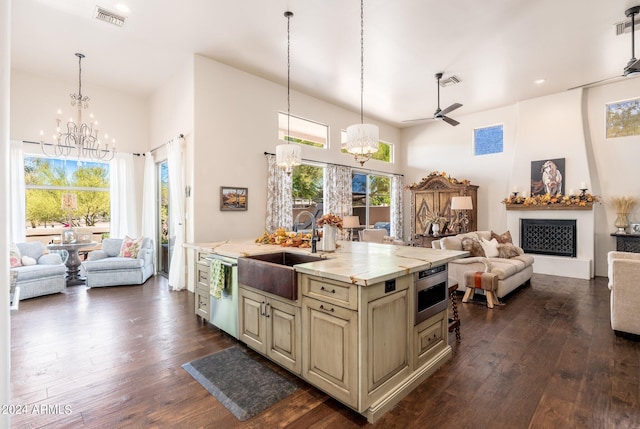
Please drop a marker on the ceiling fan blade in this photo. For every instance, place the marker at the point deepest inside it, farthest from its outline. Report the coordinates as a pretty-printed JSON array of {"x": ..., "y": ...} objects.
[
  {"x": 594, "y": 83},
  {"x": 417, "y": 120},
  {"x": 451, "y": 108},
  {"x": 450, "y": 121}
]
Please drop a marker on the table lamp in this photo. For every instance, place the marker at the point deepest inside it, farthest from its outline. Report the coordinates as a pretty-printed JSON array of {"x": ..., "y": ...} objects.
[
  {"x": 462, "y": 204},
  {"x": 350, "y": 222}
]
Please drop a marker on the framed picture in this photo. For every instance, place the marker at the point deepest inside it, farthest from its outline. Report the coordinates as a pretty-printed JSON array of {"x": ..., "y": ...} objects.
[
  {"x": 547, "y": 177},
  {"x": 233, "y": 199},
  {"x": 622, "y": 118}
]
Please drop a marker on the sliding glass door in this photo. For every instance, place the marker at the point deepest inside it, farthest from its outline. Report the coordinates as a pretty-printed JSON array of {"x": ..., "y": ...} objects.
[
  {"x": 164, "y": 233},
  {"x": 371, "y": 200}
]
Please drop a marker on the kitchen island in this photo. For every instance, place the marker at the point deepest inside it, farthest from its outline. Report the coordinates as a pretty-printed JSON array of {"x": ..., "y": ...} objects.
[{"x": 353, "y": 329}]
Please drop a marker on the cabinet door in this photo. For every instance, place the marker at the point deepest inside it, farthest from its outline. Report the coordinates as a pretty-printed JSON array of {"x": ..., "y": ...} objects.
[
  {"x": 284, "y": 335},
  {"x": 253, "y": 327},
  {"x": 387, "y": 338},
  {"x": 330, "y": 349},
  {"x": 430, "y": 337}
]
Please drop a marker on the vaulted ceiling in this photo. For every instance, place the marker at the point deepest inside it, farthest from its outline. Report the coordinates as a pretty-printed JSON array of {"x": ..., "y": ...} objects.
[{"x": 497, "y": 48}]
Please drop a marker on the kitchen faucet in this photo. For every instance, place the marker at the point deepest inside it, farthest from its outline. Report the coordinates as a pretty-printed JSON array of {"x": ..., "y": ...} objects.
[{"x": 313, "y": 228}]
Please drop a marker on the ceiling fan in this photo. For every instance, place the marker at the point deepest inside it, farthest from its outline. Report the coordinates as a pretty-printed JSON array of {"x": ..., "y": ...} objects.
[
  {"x": 441, "y": 114},
  {"x": 633, "y": 65}
]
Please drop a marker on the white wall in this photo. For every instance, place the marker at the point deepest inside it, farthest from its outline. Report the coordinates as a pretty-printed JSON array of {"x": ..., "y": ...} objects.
[
  {"x": 236, "y": 121},
  {"x": 608, "y": 166}
]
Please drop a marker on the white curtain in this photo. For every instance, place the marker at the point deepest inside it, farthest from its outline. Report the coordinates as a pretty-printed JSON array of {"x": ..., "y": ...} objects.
[
  {"x": 124, "y": 218},
  {"x": 279, "y": 198},
  {"x": 177, "y": 214},
  {"x": 149, "y": 214},
  {"x": 337, "y": 191},
  {"x": 17, "y": 193},
  {"x": 397, "y": 189}
]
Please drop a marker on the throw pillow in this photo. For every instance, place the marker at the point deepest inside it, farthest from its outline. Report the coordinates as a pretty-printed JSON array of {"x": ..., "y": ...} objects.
[
  {"x": 502, "y": 238},
  {"x": 507, "y": 250},
  {"x": 472, "y": 246},
  {"x": 15, "y": 259},
  {"x": 490, "y": 247},
  {"x": 27, "y": 260},
  {"x": 130, "y": 247}
]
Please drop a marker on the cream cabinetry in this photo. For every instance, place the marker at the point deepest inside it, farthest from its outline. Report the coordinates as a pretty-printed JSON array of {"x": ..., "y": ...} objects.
[
  {"x": 429, "y": 337},
  {"x": 356, "y": 340},
  {"x": 201, "y": 287},
  {"x": 271, "y": 326}
]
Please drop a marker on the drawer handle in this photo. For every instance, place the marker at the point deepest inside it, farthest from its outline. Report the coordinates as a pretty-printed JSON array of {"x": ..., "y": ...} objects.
[
  {"x": 326, "y": 309},
  {"x": 327, "y": 290}
]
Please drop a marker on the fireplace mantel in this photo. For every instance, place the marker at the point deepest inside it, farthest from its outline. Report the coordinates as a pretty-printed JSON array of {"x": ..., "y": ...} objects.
[{"x": 588, "y": 206}]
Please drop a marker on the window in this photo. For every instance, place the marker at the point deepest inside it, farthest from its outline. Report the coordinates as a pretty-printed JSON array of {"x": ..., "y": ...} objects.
[
  {"x": 384, "y": 153},
  {"x": 60, "y": 192},
  {"x": 488, "y": 140},
  {"x": 303, "y": 131},
  {"x": 371, "y": 200},
  {"x": 308, "y": 194}
]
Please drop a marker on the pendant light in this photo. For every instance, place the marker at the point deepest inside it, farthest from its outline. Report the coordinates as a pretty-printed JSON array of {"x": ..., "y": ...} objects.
[
  {"x": 362, "y": 139},
  {"x": 288, "y": 155}
]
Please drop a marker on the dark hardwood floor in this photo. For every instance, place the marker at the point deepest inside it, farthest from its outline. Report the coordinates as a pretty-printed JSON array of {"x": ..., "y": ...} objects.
[{"x": 111, "y": 358}]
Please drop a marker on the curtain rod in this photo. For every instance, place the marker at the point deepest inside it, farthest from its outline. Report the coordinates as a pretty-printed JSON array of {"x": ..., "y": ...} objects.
[
  {"x": 51, "y": 144},
  {"x": 180, "y": 136},
  {"x": 343, "y": 165}
]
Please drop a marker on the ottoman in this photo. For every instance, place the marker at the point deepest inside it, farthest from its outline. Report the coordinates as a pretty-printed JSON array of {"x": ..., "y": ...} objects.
[{"x": 479, "y": 280}]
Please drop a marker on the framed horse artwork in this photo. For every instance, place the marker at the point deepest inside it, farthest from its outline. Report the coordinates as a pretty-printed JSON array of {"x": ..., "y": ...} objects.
[{"x": 548, "y": 177}]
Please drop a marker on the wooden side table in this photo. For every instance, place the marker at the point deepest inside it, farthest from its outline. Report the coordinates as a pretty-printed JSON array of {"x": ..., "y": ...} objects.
[{"x": 454, "y": 322}]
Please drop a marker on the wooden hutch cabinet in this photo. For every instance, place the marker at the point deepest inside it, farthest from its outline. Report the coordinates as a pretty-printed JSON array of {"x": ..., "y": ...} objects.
[{"x": 433, "y": 195}]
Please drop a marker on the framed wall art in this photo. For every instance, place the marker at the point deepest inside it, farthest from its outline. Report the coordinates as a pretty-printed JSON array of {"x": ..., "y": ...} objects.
[
  {"x": 233, "y": 198},
  {"x": 547, "y": 177}
]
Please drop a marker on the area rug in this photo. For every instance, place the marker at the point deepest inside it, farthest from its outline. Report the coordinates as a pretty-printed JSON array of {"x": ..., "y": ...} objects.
[{"x": 242, "y": 384}]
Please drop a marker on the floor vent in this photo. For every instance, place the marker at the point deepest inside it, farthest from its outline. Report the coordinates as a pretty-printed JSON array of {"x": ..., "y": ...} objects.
[{"x": 109, "y": 17}]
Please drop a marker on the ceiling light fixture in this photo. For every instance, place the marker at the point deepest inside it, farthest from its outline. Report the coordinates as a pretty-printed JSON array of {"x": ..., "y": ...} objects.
[
  {"x": 633, "y": 66},
  {"x": 288, "y": 155},
  {"x": 79, "y": 136},
  {"x": 362, "y": 139}
]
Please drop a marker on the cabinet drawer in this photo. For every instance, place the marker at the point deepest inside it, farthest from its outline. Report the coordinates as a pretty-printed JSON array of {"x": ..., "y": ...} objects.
[
  {"x": 202, "y": 275},
  {"x": 202, "y": 257},
  {"x": 430, "y": 337},
  {"x": 202, "y": 303},
  {"x": 341, "y": 294}
]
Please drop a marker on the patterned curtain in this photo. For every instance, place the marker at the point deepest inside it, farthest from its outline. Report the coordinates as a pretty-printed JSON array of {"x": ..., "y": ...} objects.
[
  {"x": 396, "y": 208},
  {"x": 279, "y": 198},
  {"x": 337, "y": 192}
]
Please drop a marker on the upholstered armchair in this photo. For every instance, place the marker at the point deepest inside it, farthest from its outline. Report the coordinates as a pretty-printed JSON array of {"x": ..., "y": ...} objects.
[
  {"x": 111, "y": 266},
  {"x": 624, "y": 283},
  {"x": 372, "y": 235}
]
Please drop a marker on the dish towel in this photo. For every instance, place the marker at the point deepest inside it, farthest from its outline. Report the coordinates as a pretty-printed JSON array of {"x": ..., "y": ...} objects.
[{"x": 217, "y": 278}]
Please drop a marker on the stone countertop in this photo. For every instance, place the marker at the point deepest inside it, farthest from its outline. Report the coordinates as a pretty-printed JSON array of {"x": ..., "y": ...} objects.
[{"x": 353, "y": 262}]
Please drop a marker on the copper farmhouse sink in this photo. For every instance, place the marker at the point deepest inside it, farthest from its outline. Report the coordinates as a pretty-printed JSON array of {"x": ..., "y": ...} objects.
[{"x": 273, "y": 272}]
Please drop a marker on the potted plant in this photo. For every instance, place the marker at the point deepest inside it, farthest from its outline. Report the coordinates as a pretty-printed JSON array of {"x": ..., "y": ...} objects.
[{"x": 435, "y": 220}]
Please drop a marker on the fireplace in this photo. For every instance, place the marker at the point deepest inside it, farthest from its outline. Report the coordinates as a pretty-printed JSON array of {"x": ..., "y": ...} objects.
[{"x": 557, "y": 237}]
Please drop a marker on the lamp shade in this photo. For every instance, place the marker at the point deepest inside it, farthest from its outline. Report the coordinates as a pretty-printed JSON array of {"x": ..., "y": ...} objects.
[
  {"x": 350, "y": 222},
  {"x": 461, "y": 203},
  {"x": 288, "y": 156},
  {"x": 362, "y": 139}
]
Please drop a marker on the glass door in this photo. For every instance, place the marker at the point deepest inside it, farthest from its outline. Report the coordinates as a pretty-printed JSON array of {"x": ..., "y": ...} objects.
[{"x": 164, "y": 233}]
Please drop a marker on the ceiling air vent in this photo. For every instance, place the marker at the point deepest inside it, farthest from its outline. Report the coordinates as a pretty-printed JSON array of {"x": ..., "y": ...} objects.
[
  {"x": 449, "y": 81},
  {"x": 109, "y": 17},
  {"x": 622, "y": 27}
]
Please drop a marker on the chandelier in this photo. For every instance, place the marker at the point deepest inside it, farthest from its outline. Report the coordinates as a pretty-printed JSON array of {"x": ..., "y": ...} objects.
[
  {"x": 288, "y": 155},
  {"x": 362, "y": 139},
  {"x": 78, "y": 135}
]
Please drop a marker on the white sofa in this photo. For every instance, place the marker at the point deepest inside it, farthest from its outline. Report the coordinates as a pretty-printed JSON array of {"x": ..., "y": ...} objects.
[
  {"x": 512, "y": 272},
  {"x": 105, "y": 268},
  {"x": 46, "y": 276},
  {"x": 624, "y": 272}
]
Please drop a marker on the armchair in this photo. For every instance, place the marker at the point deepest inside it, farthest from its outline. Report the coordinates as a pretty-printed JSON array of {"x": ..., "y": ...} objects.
[
  {"x": 624, "y": 275},
  {"x": 105, "y": 268},
  {"x": 46, "y": 275}
]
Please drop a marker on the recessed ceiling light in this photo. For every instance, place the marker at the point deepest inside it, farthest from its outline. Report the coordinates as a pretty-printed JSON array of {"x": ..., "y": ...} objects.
[
  {"x": 123, "y": 8},
  {"x": 539, "y": 81}
]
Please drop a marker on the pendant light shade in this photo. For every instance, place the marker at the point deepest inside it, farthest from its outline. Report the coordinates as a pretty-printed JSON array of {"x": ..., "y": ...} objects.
[
  {"x": 362, "y": 139},
  {"x": 288, "y": 155}
]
